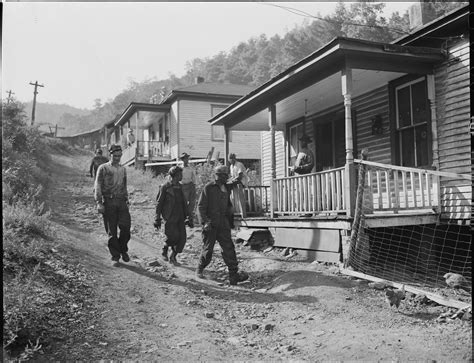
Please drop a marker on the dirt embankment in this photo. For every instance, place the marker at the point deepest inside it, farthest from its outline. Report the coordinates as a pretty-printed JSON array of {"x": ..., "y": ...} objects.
[{"x": 288, "y": 310}]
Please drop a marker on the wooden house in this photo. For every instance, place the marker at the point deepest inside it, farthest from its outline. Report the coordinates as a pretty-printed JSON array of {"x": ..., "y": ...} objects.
[
  {"x": 179, "y": 124},
  {"x": 406, "y": 102}
]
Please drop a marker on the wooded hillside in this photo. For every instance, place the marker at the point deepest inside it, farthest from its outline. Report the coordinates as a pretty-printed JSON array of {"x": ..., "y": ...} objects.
[{"x": 255, "y": 61}]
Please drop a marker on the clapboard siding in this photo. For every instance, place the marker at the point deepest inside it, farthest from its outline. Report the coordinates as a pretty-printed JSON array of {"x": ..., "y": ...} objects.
[
  {"x": 195, "y": 135},
  {"x": 367, "y": 106},
  {"x": 454, "y": 142},
  {"x": 174, "y": 113},
  {"x": 266, "y": 156}
]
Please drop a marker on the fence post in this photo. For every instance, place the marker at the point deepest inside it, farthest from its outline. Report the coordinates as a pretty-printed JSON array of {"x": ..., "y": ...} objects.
[{"x": 356, "y": 224}]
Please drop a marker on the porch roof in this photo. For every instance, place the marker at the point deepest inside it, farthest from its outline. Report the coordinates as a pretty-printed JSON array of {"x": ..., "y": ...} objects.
[
  {"x": 139, "y": 106},
  {"x": 317, "y": 79}
]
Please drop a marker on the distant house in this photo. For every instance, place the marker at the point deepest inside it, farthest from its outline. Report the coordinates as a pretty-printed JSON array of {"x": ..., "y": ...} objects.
[
  {"x": 179, "y": 124},
  {"x": 89, "y": 140},
  {"x": 407, "y": 102}
]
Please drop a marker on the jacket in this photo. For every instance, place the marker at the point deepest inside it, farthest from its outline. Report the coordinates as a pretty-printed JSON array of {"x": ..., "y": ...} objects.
[
  {"x": 166, "y": 202},
  {"x": 214, "y": 204}
]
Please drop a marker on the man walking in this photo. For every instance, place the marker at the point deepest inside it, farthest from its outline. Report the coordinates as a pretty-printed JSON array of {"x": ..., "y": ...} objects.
[
  {"x": 189, "y": 187},
  {"x": 111, "y": 196},
  {"x": 97, "y": 161},
  {"x": 215, "y": 210},
  {"x": 171, "y": 205}
]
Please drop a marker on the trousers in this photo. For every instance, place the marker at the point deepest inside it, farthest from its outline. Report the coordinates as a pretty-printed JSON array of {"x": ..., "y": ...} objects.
[
  {"x": 117, "y": 216},
  {"x": 189, "y": 191},
  {"x": 175, "y": 232},
  {"x": 222, "y": 234}
]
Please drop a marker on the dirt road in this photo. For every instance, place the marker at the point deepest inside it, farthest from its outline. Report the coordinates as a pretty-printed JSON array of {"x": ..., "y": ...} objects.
[{"x": 289, "y": 310}]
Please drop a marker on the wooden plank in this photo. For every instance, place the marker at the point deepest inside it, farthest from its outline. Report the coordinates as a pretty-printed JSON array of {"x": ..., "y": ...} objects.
[
  {"x": 320, "y": 256},
  {"x": 404, "y": 168},
  {"x": 422, "y": 190},
  {"x": 413, "y": 188},
  {"x": 396, "y": 191},
  {"x": 387, "y": 186},
  {"x": 379, "y": 190},
  {"x": 436, "y": 298},
  {"x": 309, "y": 239},
  {"x": 396, "y": 220}
]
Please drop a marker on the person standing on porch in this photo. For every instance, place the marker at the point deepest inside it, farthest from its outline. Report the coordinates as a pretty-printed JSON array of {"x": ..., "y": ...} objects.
[
  {"x": 130, "y": 137},
  {"x": 305, "y": 160},
  {"x": 171, "y": 205},
  {"x": 111, "y": 195},
  {"x": 188, "y": 184},
  {"x": 239, "y": 180}
]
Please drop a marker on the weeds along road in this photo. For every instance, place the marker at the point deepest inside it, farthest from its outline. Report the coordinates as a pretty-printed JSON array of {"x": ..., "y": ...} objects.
[{"x": 149, "y": 310}]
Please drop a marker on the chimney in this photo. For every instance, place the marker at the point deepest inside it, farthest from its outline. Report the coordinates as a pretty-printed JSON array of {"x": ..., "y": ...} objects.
[
  {"x": 198, "y": 80},
  {"x": 421, "y": 13}
]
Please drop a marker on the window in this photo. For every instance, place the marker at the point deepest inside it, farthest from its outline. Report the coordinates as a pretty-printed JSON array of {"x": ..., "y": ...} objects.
[
  {"x": 413, "y": 123},
  {"x": 217, "y": 131}
]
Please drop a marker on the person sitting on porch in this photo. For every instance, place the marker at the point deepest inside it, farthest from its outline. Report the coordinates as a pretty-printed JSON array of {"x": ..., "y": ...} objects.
[
  {"x": 239, "y": 180},
  {"x": 305, "y": 160},
  {"x": 130, "y": 137}
]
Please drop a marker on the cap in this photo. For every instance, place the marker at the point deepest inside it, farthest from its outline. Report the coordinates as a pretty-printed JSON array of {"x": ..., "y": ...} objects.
[
  {"x": 221, "y": 169},
  {"x": 175, "y": 170},
  {"x": 184, "y": 155},
  {"x": 114, "y": 148},
  {"x": 305, "y": 138}
]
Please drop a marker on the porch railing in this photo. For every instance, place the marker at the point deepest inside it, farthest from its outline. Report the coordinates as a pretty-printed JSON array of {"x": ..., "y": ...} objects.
[
  {"x": 257, "y": 198},
  {"x": 153, "y": 148},
  {"x": 396, "y": 188},
  {"x": 320, "y": 192}
]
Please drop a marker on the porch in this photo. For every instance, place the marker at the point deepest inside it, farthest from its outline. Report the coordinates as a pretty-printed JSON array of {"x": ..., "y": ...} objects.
[
  {"x": 148, "y": 150},
  {"x": 389, "y": 195}
]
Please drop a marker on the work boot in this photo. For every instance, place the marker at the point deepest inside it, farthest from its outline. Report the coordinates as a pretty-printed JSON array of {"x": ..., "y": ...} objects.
[
  {"x": 125, "y": 257},
  {"x": 173, "y": 258},
  {"x": 115, "y": 263},
  {"x": 164, "y": 253},
  {"x": 200, "y": 273},
  {"x": 235, "y": 277}
]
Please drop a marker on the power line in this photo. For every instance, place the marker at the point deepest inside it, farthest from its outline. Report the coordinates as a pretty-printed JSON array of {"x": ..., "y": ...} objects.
[{"x": 308, "y": 15}]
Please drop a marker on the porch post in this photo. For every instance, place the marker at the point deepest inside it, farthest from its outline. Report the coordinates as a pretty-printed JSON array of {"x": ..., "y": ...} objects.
[
  {"x": 226, "y": 145},
  {"x": 271, "y": 124},
  {"x": 434, "y": 121},
  {"x": 349, "y": 187}
]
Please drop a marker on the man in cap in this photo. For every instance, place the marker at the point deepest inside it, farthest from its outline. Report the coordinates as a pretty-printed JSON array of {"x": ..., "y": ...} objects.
[
  {"x": 305, "y": 160},
  {"x": 111, "y": 195},
  {"x": 171, "y": 205},
  {"x": 215, "y": 210},
  {"x": 97, "y": 160},
  {"x": 189, "y": 187}
]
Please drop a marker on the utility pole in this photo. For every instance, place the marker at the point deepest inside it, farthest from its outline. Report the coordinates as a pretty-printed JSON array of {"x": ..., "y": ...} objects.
[
  {"x": 34, "y": 101},
  {"x": 9, "y": 98}
]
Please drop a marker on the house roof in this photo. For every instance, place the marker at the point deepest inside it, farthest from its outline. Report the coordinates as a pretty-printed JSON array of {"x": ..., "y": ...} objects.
[
  {"x": 86, "y": 133},
  {"x": 328, "y": 60},
  {"x": 139, "y": 106},
  {"x": 207, "y": 89},
  {"x": 441, "y": 26}
]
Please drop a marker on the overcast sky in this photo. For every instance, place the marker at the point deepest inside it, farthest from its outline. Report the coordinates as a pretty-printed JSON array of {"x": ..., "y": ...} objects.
[{"x": 88, "y": 50}]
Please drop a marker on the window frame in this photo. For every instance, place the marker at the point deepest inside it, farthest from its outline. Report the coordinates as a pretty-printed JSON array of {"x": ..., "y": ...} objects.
[
  {"x": 220, "y": 108},
  {"x": 396, "y": 140}
]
